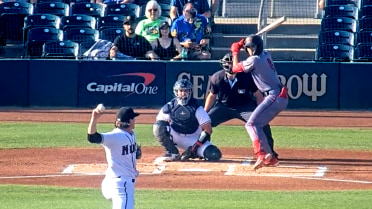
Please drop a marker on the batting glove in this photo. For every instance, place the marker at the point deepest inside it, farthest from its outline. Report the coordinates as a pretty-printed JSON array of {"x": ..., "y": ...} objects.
[{"x": 235, "y": 47}]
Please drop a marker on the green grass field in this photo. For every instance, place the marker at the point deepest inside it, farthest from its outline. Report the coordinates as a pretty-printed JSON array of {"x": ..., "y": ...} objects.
[{"x": 42, "y": 135}]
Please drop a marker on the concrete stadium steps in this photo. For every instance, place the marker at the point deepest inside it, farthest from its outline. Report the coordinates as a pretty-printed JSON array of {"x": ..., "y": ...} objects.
[
  {"x": 290, "y": 8},
  {"x": 296, "y": 39}
]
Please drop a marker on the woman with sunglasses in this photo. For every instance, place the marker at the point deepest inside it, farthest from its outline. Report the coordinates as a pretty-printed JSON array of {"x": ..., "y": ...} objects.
[
  {"x": 149, "y": 27},
  {"x": 166, "y": 47}
]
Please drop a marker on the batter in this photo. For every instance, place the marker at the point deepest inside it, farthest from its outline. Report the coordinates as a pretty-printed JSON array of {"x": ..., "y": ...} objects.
[
  {"x": 121, "y": 153},
  {"x": 264, "y": 74}
]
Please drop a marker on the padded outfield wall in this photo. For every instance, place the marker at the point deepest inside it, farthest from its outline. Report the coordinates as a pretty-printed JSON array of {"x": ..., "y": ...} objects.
[{"x": 73, "y": 83}]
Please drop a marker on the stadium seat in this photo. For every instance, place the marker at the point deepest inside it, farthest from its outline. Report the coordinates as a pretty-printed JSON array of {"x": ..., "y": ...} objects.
[
  {"x": 55, "y": 8},
  {"x": 165, "y": 9},
  {"x": 364, "y": 37},
  {"x": 38, "y": 36},
  {"x": 336, "y": 37},
  {"x": 40, "y": 20},
  {"x": 12, "y": 15},
  {"x": 91, "y": 9},
  {"x": 365, "y": 23},
  {"x": 78, "y": 21},
  {"x": 342, "y": 11},
  {"x": 111, "y": 21},
  {"x": 339, "y": 23},
  {"x": 357, "y": 3},
  {"x": 80, "y": 34},
  {"x": 363, "y": 53},
  {"x": 334, "y": 53},
  {"x": 61, "y": 50},
  {"x": 366, "y": 3},
  {"x": 144, "y": 2},
  {"x": 366, "y": 11},
  {"x": 110, "y": 34},
  {"x": 122, "y": 9}
]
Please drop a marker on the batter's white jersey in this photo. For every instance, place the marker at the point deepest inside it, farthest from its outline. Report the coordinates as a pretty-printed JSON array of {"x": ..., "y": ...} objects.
[{"x": 183, "y": 141}]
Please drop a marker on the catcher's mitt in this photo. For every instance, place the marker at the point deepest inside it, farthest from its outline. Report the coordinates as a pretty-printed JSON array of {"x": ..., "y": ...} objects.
[
  {"x": 188, "y": 154},
  {"x": 138, "y": 152}
]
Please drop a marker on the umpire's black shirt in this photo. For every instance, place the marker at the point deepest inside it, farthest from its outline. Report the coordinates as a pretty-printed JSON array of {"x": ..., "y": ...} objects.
[{"x": 241, "y": 92}]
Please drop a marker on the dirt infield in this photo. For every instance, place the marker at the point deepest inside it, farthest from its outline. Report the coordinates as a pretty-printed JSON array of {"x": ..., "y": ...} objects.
[{"x": 298, "y": 170}]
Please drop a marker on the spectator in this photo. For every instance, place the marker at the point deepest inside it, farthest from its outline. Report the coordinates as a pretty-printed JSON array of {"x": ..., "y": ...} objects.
[
  {"x": 149, "y": 27},
  {"x": 131, "y": 44},
  {"x": 166, "y": 47},
  {"x": 192, "y": 31},
  {"x": 201, "y": 6}
]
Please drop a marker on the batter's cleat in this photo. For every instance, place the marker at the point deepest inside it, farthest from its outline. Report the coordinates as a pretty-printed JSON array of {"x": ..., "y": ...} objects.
[
  {"x": 261, "y": 158},
  {"x": 273, "y": 162},
  {"x": 169, "y": 157}
]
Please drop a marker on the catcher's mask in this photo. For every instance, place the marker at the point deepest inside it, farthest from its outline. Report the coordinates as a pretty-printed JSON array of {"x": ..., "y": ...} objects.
[
  {"x": 256, "y": 41},
  {"x": 226, "y": 63},
  {"x": 182, "y": 89}
]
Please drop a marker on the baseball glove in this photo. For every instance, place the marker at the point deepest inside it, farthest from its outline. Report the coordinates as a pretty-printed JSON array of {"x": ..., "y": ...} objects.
[
  {"x": 188, "y": 154},
  {"x": 138, "y": 152}
]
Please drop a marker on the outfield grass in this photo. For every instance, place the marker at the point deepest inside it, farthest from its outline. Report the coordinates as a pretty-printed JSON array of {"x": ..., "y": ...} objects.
[{"x": 27, "y": 135}]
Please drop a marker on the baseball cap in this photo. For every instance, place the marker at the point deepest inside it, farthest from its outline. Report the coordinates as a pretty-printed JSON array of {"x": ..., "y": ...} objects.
[
  {"x": 164, "y": 24},
  {"x": 125, "y": 114},
  {"x": 129, "y": 20}
]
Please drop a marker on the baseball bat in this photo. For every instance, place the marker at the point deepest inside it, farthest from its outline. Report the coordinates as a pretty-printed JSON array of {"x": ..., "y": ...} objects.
[{"x": 273, "y": 25}]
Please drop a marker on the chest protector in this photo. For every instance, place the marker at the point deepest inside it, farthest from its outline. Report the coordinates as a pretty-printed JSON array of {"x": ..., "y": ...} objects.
[{"x": 183, "y": 118}]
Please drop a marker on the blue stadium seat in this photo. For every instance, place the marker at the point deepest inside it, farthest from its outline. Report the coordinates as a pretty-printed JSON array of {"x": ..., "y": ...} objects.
[
  {"x": 366, "y": 2},
  {"x": 122, "y": 9},
  {"x": 38, "y": 36},
  {"x": 334, "y": 53},
  {"x": 91, "y": 9},
  {"x": 78, "y": 21},
  {"x": 12, "y": 15},
  {"x": 336, "y": 37},
  {"x": 365, "y": 23},
  {"x": 366, "y": 11},
  {"x": 111, "y": 21},
  {"x": 55, "y": 8},
  {"x": 110, "y": 34},
  {"x": 364, "y": 37},
  {"x": 61, "y": 50},
  {"x": 342, "y": 11},
  {"x": 363, "y": 53},
  {"x": 357, "y": 3},
  {"x": 40, "y": 20},
  {"x": 339, "y": 23},
  {"x": 80, "y": 34}
]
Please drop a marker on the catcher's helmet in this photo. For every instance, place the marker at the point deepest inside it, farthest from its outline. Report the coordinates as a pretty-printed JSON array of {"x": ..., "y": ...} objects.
[
  {"x": 185, "y": 85},
  {"x": 226, "y": 63},
  {"x": 254, "y": 40}
]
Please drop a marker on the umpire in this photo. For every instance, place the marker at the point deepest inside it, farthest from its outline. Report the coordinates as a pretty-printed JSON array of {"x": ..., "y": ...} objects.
[{"x": 234, "y": 95}]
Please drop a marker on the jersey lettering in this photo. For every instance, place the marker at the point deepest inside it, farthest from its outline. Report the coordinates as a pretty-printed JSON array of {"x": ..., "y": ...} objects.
[{"x": 128, "y": 149}]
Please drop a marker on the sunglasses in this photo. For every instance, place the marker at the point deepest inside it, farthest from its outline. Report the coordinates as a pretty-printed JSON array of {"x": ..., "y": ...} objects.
[{"x": 154, "y": 10}]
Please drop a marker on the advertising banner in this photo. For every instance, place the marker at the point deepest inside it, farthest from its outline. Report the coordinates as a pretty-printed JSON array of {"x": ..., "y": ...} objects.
[
  {"x": 53, "y": 83},
  {"x": 311, "y": 85},
  {"x": 355, "y": 80},
  {"x": 14, "y": 83},
  {"x": 122, "y": 83}
]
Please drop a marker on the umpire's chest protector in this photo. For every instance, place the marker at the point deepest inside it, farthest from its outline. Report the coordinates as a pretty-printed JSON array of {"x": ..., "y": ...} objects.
[{"x": 183, "y": 118}]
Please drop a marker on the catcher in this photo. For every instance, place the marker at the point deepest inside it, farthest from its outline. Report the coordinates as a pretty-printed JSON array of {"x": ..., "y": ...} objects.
[{"x": 182, "y": 123}]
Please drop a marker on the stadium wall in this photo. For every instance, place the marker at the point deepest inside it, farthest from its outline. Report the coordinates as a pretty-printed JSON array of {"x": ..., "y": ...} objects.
[{"x": 149, "y": 84}]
